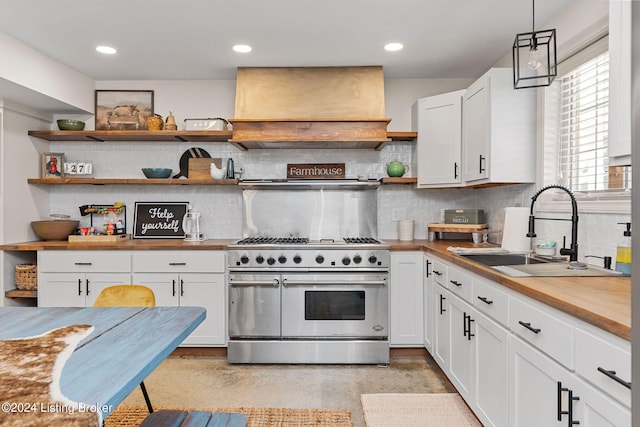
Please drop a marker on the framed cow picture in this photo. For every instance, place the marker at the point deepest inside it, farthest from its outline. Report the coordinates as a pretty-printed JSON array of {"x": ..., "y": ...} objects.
[{"x": 123, "y": 109}]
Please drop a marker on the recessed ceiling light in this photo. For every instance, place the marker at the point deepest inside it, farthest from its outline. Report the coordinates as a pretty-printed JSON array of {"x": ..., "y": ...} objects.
[
  {"x": 106, "y": 49},
  {"x": 392, "y": 47},
  {"x": 242, "y": 48}
]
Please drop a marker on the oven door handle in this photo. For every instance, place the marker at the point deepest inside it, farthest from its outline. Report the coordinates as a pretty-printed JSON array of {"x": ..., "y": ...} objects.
[
  {"x": 287, "y": 282},
  {"x": 275, "y": 282}
]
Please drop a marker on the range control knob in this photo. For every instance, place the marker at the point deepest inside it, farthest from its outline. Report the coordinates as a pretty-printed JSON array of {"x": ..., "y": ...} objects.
[
  {"x": 357, "y": 259},
  {"x": 346, "y": 260},
  {"x": 297, "y": 259},
  {"x": 373, "y": 259},
  {"x": 271, "y": 260},
  {"x": 244, "y": 259},
  {"x": 319, "y": 259},
  {"x": 282, "y": 259},
  {"x": 259, "y": 259}
]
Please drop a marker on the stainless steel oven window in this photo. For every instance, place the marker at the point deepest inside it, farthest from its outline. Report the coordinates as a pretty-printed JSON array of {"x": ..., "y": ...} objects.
[{"x": 334, "y": 305}]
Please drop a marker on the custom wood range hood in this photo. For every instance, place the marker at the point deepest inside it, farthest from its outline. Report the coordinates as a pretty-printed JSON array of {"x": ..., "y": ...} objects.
[{"x": 310, "y": 107}]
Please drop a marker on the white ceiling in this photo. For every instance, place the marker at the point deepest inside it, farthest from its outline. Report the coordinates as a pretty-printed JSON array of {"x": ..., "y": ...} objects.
[{"x": 192, "y": 39}]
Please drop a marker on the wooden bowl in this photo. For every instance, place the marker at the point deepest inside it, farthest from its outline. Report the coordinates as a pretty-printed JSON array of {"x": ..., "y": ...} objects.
[{"x": 54, "y": 230}]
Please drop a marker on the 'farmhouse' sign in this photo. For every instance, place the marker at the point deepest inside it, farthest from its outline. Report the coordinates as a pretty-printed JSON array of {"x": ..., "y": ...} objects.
[
  {"x": 159, "y": 220},
  {"x": 315, "y": 170}
]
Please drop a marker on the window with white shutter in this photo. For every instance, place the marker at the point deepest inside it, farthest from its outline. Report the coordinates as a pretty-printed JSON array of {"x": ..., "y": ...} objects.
[{"x": 576, "y": 130}]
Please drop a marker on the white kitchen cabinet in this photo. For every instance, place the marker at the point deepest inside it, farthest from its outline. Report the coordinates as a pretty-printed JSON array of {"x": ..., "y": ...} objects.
[
  {"x": 491, "y": 397},
  {"x": 619, "y": 137},
  {"x": 498, "y": 131},
  {"x": 188, "y": 278},
  {"x": 462, "y": 350},
  {"x": 438, "y": 121},
  {"x": 428, "y": 314},
  {"x": 406, "y": 298},
  {"x": 75, "y": 278},
  {"x": 507, "y": 354},
  {"x": 545, "y": 393},
  {"x": 441, "y": 337},
  {"x": 534, "y": 387}
]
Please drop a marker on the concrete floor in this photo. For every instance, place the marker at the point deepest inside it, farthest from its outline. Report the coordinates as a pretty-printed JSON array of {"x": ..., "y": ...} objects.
[{"x": 209, "y": 382}]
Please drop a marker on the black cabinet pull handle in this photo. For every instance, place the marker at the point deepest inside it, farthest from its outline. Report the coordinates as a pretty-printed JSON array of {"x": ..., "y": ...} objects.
[
  {"x": 177, "y": 263},
  {"x": 437, "y": 273},
  {"x": 455, "y": 170},
  {"x": 83, "y": 263},
  {"x": 87, "y": 286},
  {"x": 466, "y": 325},
  {"x": 442, "y": 309},
  {"x": 455, "y": 282},
  {"x": 485, "y": 300},
  {"x": 173, "y": 287},
  {"x": 427, "y": 268},
  {"x": 528, "y": 326},
  {"x": 181, "y": 287},
  {"x": 613, "y": 376},
  {"x": 482, "y": 159},
  {"x": 570, "y": 400},
  {"x": 79, "y": 287}
]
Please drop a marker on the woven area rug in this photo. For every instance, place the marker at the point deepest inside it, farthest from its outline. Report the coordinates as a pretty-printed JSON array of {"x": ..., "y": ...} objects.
[
  {"x": 413, "y": 410},
  {"x": 130, "y": 416}
]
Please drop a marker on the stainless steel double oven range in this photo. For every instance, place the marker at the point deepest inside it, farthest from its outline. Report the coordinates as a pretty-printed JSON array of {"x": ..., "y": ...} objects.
[{"x": 295, "y": 300}]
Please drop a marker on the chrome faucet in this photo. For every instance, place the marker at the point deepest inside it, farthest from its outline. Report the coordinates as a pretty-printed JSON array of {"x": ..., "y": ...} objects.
[{"x": 572, "y": 251}]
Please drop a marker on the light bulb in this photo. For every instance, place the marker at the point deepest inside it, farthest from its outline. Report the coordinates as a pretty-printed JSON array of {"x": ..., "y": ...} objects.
[{"x": 533, "y": 61}]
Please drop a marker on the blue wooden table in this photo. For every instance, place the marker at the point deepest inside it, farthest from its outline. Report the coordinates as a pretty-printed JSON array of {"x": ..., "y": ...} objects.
[{"x": 127, "y": 344}]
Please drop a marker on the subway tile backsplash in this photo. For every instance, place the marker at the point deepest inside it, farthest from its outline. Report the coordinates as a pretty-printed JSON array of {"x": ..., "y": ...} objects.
[{"x": 222, "y": 205}]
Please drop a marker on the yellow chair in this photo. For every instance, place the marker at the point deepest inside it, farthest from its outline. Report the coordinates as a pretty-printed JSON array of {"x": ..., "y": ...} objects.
[
  {"x": 128, "y": 296},
  {"x": 125, "y": 296}
]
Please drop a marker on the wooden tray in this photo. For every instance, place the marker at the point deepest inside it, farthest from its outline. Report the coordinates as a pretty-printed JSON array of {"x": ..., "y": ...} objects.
[
  {"x": 91, "y": 238},
  {"x": 457, "y": 228}
]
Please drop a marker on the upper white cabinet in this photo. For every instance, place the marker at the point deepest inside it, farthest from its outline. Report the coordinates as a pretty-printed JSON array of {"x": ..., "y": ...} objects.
[
  {"x": 438, "y": 122},
  {"x": 498, "y": 131},
  {"x": 619, "y": 83}
]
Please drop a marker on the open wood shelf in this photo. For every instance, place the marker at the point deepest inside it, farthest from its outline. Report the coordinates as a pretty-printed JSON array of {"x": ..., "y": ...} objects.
[
  {"x": 389, "y": 180},
  {"x": 161, "y": 136},
  {"x": 131, "y": 181},
  {"x": 133, "y": 135},
  {"x": 18, "y": 293}
]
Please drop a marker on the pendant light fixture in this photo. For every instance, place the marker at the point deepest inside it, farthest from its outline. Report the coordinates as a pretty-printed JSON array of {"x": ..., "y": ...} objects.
[{"x": 534, "y": 57}]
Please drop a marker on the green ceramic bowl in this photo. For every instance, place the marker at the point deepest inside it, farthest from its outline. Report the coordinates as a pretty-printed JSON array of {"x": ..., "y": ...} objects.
[
  {"x": 157, "y": 172},
  {"x": 68, "y": 124}
]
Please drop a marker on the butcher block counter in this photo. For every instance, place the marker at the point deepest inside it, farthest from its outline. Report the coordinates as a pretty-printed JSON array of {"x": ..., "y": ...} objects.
[
  {"x": 132, "y": 244},
  {"x": 602, "y": 301}
]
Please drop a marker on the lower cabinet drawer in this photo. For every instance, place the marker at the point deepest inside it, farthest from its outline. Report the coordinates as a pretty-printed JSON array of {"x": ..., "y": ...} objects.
[
  {"x": 460, "y": 283},
  {"x": 491, "y": 301},
  {"x": 545, "y": 331},
  {"x": 84, "y": 261},
  {"x": 179, "y": 261},
  {"x": 605, "y": 365}
]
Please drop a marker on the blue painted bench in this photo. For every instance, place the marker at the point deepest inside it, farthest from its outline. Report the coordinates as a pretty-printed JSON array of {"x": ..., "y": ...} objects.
[{"x": 177, "y": 418}]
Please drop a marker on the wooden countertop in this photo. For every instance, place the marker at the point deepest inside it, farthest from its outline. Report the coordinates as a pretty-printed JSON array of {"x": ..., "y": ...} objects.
[
  {"x": 601, "y": 301},
  {"x": 122, "y": 245}
]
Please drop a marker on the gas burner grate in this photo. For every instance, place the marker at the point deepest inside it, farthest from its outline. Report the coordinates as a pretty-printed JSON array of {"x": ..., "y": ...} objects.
[
  {"x": 273, "y": 240},
  {"x": 360, "y": 240}
]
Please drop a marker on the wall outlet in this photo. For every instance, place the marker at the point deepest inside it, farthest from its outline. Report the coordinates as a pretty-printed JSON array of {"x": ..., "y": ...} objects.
[{"x": 398, "y": 213}]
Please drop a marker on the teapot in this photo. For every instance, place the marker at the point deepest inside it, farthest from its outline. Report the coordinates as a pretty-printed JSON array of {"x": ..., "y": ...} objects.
[
  {"x": 396, "y": 169},
  {"x": 191, "y": 225},
  {"x": 218, "y": 172}
]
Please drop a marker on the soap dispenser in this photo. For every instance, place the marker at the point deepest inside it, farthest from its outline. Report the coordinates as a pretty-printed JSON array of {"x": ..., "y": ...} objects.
[{"x": 623, "y": 251}]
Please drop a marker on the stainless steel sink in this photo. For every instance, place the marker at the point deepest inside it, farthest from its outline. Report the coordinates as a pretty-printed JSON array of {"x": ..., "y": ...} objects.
[
  {"x": 520, "y": 265},
  {"x": 491, "y": 260}
]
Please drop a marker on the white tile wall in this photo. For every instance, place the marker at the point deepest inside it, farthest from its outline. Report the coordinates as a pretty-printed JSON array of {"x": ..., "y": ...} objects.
[{"x": 222, "y": 205}]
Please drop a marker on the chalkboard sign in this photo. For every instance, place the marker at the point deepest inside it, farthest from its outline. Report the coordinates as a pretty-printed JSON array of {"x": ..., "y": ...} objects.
[{"x": 159, "y": 220}]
